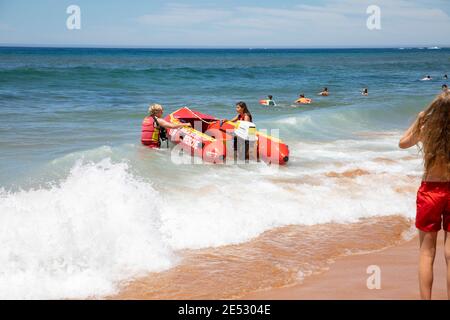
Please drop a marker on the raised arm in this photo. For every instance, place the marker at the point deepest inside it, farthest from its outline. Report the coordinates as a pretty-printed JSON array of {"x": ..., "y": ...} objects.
[
  {"x": 411, "y": 138},
  {"x": 169, "y": 125}
]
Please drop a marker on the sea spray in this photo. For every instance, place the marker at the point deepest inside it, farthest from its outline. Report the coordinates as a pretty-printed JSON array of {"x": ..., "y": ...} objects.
[{"x": 80, "y": 237}]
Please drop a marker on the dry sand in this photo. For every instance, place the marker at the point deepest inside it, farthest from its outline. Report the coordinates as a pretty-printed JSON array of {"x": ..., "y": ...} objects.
[{"x": 347, "y": 277}]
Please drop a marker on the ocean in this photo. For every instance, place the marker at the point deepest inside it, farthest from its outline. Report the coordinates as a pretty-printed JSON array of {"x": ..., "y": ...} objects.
[{"x": 87, "y": 212}]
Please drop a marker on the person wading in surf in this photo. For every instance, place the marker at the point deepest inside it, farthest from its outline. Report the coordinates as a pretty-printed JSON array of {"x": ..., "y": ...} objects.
[
  {"x": 153, "y": 127},
  {"x": 432, "y": 129},
  {"x": 243, "y": 114}
]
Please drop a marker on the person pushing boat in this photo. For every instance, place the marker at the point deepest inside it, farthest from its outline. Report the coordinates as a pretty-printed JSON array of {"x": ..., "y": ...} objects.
[
  {"x": 153, "y": 127},
  {"x": 243, "y": 114}
]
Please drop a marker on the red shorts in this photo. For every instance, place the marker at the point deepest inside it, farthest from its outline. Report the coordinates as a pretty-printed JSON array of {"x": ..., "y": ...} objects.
[{"x": 433, "y": 206}]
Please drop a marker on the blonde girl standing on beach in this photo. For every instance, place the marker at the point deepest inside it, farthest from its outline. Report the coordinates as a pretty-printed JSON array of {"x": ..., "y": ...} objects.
[{"x": 432, "y": 130}]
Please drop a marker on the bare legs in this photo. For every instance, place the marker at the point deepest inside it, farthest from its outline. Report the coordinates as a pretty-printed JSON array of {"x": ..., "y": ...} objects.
[
  {"x": 427, "y": 254},
  {"x": 447, "y": 260}
]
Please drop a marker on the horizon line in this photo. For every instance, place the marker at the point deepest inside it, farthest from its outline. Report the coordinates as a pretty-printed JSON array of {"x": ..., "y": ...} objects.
[{"x": 50, "y": 46}]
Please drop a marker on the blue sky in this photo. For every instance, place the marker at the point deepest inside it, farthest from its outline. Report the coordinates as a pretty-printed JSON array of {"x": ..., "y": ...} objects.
[{"x": 226, "y": 23}]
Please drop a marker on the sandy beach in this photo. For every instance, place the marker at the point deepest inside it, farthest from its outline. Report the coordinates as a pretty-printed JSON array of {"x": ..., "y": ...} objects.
[{"x": 346, "y": 279}]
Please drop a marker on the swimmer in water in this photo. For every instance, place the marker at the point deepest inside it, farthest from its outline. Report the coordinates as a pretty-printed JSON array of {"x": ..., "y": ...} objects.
[
  {"x": 324, "y": 93},
  {"x": 270, "y": 101},
  {"x": 302, "y": 100},
  {"x": 365, "y": 92}
]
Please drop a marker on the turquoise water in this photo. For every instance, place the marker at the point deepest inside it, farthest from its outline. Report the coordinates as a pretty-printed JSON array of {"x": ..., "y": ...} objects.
[{"x": 73, "y": 173}]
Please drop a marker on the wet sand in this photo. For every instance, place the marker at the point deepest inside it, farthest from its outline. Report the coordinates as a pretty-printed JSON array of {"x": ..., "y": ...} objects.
[
  {"x": 346, "y": 279},
  {"x": 301, "y": 257}
]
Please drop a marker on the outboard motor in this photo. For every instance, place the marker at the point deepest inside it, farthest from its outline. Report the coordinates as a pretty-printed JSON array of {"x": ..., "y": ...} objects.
[{"x": 245, "y": 141}]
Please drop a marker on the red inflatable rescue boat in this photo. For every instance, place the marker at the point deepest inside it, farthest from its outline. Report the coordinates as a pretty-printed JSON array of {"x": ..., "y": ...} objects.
[{"x": 217, "y": 141}]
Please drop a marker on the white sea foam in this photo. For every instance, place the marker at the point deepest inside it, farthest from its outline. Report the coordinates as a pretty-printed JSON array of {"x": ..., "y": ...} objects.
[
  {"x": 233, "y": 213},
  {"x": 240, "y": 204},
  {"x": 80, "y": 237}
]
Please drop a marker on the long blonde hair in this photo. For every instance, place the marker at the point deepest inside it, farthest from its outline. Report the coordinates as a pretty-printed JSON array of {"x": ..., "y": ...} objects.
[{"x": 433, "y": 128}]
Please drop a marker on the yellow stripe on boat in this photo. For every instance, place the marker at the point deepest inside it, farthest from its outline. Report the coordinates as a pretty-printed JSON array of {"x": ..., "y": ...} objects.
[{"x": 190, "y": 129}]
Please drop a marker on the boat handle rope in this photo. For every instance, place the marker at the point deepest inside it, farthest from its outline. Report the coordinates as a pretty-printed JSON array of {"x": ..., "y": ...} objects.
[{"x": 199, "y": 117}]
